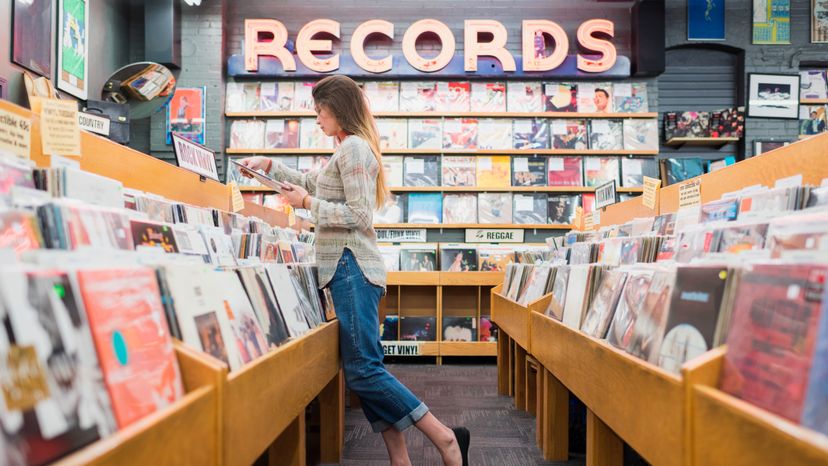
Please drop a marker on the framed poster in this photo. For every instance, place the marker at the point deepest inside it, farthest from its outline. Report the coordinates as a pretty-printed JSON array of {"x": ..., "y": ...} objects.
[
  {"x": 706, "y": 20},
  {"x": 32, "y": 35},
  {"x": 760, "y": 146},
  {"x": 773, "y": 96},
  {"x": 186, "y": 114},
  {"x": 73, "y": 47},
  {"x": 819, "y": 21},
  {"x": 772, "y": 22}
]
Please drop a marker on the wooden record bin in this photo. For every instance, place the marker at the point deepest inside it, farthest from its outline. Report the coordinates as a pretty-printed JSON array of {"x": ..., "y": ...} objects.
[{"x": 223, "y": 418}]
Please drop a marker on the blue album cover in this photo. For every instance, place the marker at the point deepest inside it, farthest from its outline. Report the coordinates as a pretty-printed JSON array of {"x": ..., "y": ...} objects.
[
  {"x": 705, "y": 19},
  {"x": 425, "y": 208}
]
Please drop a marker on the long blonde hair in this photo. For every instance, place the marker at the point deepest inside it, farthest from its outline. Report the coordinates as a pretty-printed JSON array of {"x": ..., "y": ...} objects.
[{"x": 342, "y": 96}]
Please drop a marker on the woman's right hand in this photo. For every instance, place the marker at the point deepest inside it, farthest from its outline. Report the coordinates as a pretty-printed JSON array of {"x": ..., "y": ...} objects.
[{"x": 256, "y": 163}]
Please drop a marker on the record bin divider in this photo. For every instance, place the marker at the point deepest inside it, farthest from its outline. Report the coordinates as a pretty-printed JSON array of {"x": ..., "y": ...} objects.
[
  {"x": 724, "y": 430},
  {"x": 185, "y": 433}
]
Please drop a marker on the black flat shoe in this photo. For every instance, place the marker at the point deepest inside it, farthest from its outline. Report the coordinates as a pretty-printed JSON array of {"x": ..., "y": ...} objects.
[{"x": 463, "y": 439}]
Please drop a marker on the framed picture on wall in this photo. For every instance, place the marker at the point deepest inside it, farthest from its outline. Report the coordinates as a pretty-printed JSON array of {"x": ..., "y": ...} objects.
[
  {"x": 819, "y": 21},
  {"x": 32, "y": 35},
  {"x": 706, "y": 20},
  {"x": 760, "y": 146},
  {"x": 772, "y": 22},
  {"x": 73, "y": 47},
  {"x": 773, "y": 96},
  {"x": 186, "y": 114}
]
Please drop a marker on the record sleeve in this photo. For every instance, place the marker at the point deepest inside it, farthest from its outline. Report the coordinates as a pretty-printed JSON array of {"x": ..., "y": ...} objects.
[
  {"x": 562, "y": 208},
  {"x": 812, "y": 119},
  {"x": 494, "y": 134},
  {"x": 393, "y": 211},
  {"x": 640, "y": 134},
  {"x": 723, "y": 210},
  {"x": 459, "y": 170},
  {"x": 493, "y": 171},
  {"x": 630, "y": 306},
  {"x": 460, "y": 133},
  {"x": 422, "y": 170},
  {"x": 251, "y": 97},
  {"x": 257, "y": 284},
  {"x": 524, "y": 96},
  {"x": 488, "y": 96},
  {"x": 383, "y": 96},
  {"x": 741, "y": 238},
  {"x": 813, "y": 84},
  {"x": 460, "y": 208},
  {"x": 219, "y": 246},
  {"x": 649, "y": 326},
  {"x": 531, "y": 133},
  {"x": 389, "y": 328},
  {"x": 153, "y": 235},
  {"x": 247, "y": 134},
  {"x": 390, "y": 257},
  {"x": 494, "y": 208},
  {"x": 606, "y": 135},
  {"x": 425, "y": 133},
  {"x": 234, "y": 97},
  {"x": 303, "y": 97},
  {"x": 630, "y": 97},
  {"x": 559, "y": 285},
  {"x": 458, "y": 257},
  {"x": 535, "y": 284},
  {"x": 491, "y": 258},
  {"x": 311, "y": 136},
  {"x": 459, "y": 328},
  {"x": 595, "y": 97},
  {"x": 246, "y": 328},
  {"x": 634, "y": 169},
  {"x": 488, "y": 330},
  {"x": 288, "y": 298},
  {"x": 529, "y": 209},
  {"x": 529, "y": 171},
  {"x": 276, "y": 96},
  {"x": 393, "y": 133},
  {"x": 85, "y": 226},
  {"x": 577, "y": 291},
  {"x": 417, "y": 328},
  {"x": 560, "y": 97},
  {"x": 393, "y": 167},
  {"x": 281, "y": 134},
  {"x": 418, "y": 258},
  {"x": 418, "y": 96},
  {"x": 588, "y": 202},
  {"x": 568, "y": 134},
  {"x": 599, "y": 170},
  {"x": 453, "y": 96},
  {"x": 565, "y": 171},
  {"x": 602, "y": 308},
  {"x": 682, "y": 169},
  {"x": 425, "y": 208},
  {"x": 19, "y": 231}
]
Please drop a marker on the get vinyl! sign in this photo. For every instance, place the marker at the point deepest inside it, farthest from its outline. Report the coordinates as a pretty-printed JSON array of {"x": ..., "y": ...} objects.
[{"x": 267, "y": 53}]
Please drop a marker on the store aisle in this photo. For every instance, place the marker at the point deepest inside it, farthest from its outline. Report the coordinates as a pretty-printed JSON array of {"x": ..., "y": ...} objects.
[{"x": 458, "y": 395}]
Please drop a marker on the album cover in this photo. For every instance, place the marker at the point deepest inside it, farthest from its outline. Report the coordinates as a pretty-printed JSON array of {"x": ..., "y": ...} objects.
[
  {"x": 599, "y": 170},
  {"x": 303, "y": 97},
  {"x": 458, "y": 257},
  {"x": 630, "y": 97},
  {"x": 493, "y": 171},
  {"x": 251, "y": 97},
  {"x": 459, "y": 328},
  {"x": 418, "y": 258},
  {"x": 640, "y": 134},
  {"x": 393, "y": 133},
  {"x": 234, "y": 97},
  {"x": 390, "y": 256},
  {"x": 422, "y": 170},
  {"x": 630, "y": 306},
  {"x": 459, "y": 170},
  {"x": 606, "y": 135},
  {"x": 813, "y": 84},
  {"x": 157, "y": 209},
  {"x": 560, "y": 97},
  {"x": 773, "y": 336},
  {"x": 488, "y": 96},
  {"x": 281, "y": 296},
  {"x": 588, "y": 202},
  {"x": 649, "y": 325},
  {"x": 281, "y": 134},
  {"x": 276, "y": 96},
  {"x": 741, "y": 238},
  {"x": 494, "y": 134},
  {"x": 460, "y": 208},
  {"x": 153, "y": 235},
  {"x": 424, "y": 133},
  {"x": 602, "y": 308},
  {"x": 577, "y": 291},
  {"x": 453, "y": 96},
  {"x": 568, "y": 134},
  {"x": 311, "y": 136},
  {"x": 393, "y": 211},
  {"x": 681, "y": 169},
  {"x": 393, "y": 167},
  {"x": 425, "y": 208},
  {"x": 219, "y": 246},
  {"x": 562, "y": 208},
  {"x": 494, "y": 208},
  {"x": 390, "y": 328},
  {"x": 529, "y": 171},
  {"x": 693, "y": 315},
  {"x": 247, "y": 134},
  {"x": 19, "y": 231},
  {"x": 83, "y": 225},
  {"x": 417, "y": 328},
  {"x": 531, "y": 133},
  {"x": 383, "y": 96},
  {"x": 595, "y": 97},
  {"x": 308, "y": 164},
  {"x": 633, "y": 171},
  {"x": 418, "y": 96},
  {"x": 491, "y": 258},
  {"x": 534, "y": 286},
  {"x": 488, "y": 330},
  {"x": 460, "y": 133},
  {"x": 565, "y": 171},
  {"x": 812, "y": 119},
  {"x": 250, "y": 339},
  {"x": 55, "y": 400},
  {"x": 529, "y": 208},
  {"x": 723, "y": 210},
  {"x": 524, "y": 96}
]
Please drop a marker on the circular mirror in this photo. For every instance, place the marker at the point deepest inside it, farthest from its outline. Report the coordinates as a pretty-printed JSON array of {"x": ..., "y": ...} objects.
[{"x": 144, "y": 86}]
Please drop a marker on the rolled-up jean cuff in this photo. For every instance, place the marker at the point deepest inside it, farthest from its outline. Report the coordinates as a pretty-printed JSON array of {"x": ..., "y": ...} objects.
[{"x": 415, "y": 415}]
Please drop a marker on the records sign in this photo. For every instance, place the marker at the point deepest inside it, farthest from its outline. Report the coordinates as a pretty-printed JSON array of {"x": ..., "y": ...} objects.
[
  {"x": 605, "y": 195},
  {"x": 195, "y": 157},
  {"x": 482, "y": 235},
  {"x": 401, "y": 348},
  {"x": 402, "y": 236}
]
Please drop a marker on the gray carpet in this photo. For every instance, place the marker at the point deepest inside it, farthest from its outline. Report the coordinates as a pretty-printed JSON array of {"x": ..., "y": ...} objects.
[{"x": 457, "y": 395}]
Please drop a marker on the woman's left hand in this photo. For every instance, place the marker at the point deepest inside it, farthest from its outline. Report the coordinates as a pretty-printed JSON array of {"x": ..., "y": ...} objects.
[{"x": 295, "y": 195}]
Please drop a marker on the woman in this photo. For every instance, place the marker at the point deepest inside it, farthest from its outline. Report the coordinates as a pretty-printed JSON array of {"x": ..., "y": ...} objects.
[{"x": 341, "y": 198}]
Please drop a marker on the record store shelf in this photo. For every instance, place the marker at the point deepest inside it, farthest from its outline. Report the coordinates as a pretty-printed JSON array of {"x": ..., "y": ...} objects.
[
  {"x": 568, "y": 115},
  {"x": 305, "y": 151},
  {"x": 474, "y": 189},
  {"x": 447, "y": 226},
  {"x": 697, "y": 142},
  {"x": 813, "y": 101}
]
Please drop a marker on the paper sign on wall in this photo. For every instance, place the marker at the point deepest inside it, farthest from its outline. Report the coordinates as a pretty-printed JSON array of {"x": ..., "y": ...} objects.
[
  {"x": 690, "y": 194},
  {"x": 15, "y": 134},
  {"x": 236, "y": 198},
  {"x": 59, "y": 129},
  {"x": 650, "y": 197},
  {"x": 589, "y": 222},
  {"x": 579, "y": 217}
]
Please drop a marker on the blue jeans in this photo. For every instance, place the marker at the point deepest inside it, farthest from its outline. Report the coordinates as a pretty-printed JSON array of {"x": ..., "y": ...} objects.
[{"x": 385, "y": 401}]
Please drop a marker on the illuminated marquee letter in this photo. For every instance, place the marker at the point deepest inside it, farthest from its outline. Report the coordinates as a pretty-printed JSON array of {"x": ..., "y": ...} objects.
[
  {"x": 375, "y": 26},
  {"x": 496, "y": 48},
  {"x": 410, "y": 45},
  {"x": 534, "y": 48},
  {"x": 254, "y": 47},
  {"x": 306, "y": 45},
  {"x": 604, "y": 47}
]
